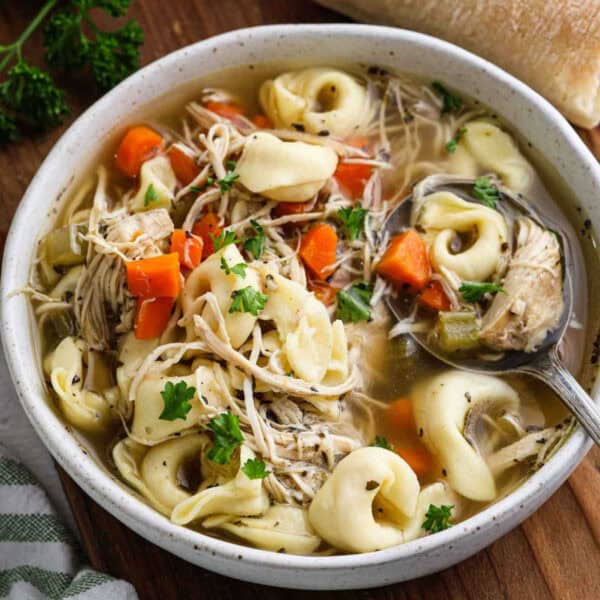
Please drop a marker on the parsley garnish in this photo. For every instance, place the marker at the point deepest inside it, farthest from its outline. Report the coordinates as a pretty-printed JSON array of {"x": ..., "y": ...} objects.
[
  {"x": 255, "y": 468},
  {"x": 150, "y": 195},
  {"x": 473, "y": 291},
  {"x": 223, "y": 239},
  {"x": 256, "y": 245},
  {"x": 353, "y": 304},
  {"x": 485, "y": 191},
  {"x": 452, "y": 144},
  {"x": 452, "y": 103},
  {"x": 353, "y": 219},
  {"x": 177, "y": 400},
  {"x": 239, "y": 269},
  {"x": 227, "y": 182},
  {"x": 437, "y": 518},
  {"x": 248, "y": 300},
  {"x": 381, "y": 442},
  {"x": 200, "y": 188},
  {"x": 227, "y": 437}
]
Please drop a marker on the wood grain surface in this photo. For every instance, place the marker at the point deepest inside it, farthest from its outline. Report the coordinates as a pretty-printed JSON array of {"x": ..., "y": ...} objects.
[{"x": 554, "y": 554}]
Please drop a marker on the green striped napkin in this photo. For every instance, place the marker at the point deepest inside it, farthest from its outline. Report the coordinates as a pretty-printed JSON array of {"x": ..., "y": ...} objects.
[{"x": 39, "y": 557}]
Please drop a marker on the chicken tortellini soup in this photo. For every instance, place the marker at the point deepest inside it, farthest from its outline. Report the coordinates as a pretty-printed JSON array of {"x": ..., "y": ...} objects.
[{"x": 213, "y": 306}]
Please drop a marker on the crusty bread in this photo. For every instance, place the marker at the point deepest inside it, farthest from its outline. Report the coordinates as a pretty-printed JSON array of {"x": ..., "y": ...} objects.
[{"x": 553, "y": 45}]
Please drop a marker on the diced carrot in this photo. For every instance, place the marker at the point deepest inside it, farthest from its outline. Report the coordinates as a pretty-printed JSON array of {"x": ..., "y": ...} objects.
[
  {"x": 261, "y": 121},
  {"x": 360, "y": 141},
  {"x": 227, "y": 110},
  {"x": 184, "y": 165},
  {"x": 151, "y": 317},
  {"x": 400, "y": 414},
  {"x": 156, "y": 277},
  {"x": 434, "y": 297},
  {"x": 188, "y": 247},
  {"x": 318, "y": 249},
  {"x": 138, "y": 145},
  {"x": 418, "y": 458},
  {"x": 291, "y": 208},
  {"x": 352, "y": 178},
  {"x": 405, "y": 261},
  {"x": 208, "y": 225},
  {"x": 324, "y": 292}
]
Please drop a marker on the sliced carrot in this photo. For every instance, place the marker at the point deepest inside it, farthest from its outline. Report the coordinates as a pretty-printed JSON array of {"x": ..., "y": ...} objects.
[
  {"x": 400, "y": 414},
  {"x": 208, "y": 225},
  {"x": 361, "y": 142},
  {"x": 318, "y": 249},
  {"x": 352, "y": 178},
  {"x": 188, "y": 247},
  {"x": 434, "y": 297},
  {"x": 227, "y": 110},
  {"x": 156, "y": 277},
  {"x": 418, "y": 458},
  {"x": 405, "y": 261},
  {"x": 261, "y": 121},
  {"x": 324, "y": 292},
  {"x": 138, "y": 145},
  {"x": 151, "y": 317},
  {"x": 184, "y": 165},
  {"x": 291, "y": 208}
]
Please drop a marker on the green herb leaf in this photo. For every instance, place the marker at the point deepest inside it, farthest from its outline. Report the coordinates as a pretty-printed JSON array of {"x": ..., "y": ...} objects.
[
  {"x": 8, "y": 129},
  {"x": 239, "y": 269},
  {"x": 197, "y": 189},
  {"x": 256, "y": 245},
  {"x": 230, "y": 178},
  {"x": 227, "y": 437},
  {"x": 177, "y": 400},
  {"x": 381, "y": 442},
  {"x": 255, "y": 468},
  {"x": 437, "y": 518},
  {"x": 353, "y": 304},
  {"x": 223, "y": 239},
  {"x": 452, "y": 102},
  {"x": 452, "y": 144},
  {"x": 473, "y": 291},
  {"x": 150, "y": 195},
  {"x": 353, "y": 219},
  {"x": 231, "y": 165},
  {"x": 248, "y": 300},
  {"x": 486, "y": 192}
]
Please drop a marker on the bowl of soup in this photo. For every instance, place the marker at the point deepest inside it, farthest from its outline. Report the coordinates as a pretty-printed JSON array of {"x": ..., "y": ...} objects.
[{"x": 196, "y": 292}]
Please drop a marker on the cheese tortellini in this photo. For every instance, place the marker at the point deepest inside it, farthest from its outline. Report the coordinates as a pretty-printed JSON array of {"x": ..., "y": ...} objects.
[
  {"x": 157, "y": 185},
  {"x": 443, "y": 215},
  {"x": 441, "y": 407},
  {"x": 319, "y": 99},
  {"x": 296, "y": 172}
]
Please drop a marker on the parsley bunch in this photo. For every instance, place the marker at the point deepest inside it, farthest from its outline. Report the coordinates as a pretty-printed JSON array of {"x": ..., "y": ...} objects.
[
  {"x": 29, "y": 97},
  {"x": 437, "y": 518}
]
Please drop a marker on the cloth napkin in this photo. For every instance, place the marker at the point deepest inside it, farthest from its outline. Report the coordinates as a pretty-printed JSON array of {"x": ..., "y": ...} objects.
[{"x": 39, "y": 556}]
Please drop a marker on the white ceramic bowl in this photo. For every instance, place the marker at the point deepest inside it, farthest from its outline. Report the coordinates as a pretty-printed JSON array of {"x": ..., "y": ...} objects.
[{"x": 398, "y": 50}]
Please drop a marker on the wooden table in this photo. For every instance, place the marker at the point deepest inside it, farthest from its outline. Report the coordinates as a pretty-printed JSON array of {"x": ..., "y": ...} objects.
[{"x": 554, "y": 554}]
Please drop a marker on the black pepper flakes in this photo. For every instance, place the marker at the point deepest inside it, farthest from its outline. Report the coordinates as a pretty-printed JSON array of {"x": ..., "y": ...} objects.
[
  {"x": 444, "y": 472},
  {"x": 76, "y": 379},
  {"x": 371, "y": 485},
  {"x": 468, "y": 396},
  {"x": 323, "y": 133},
  {"x": 298, "y": 127}
]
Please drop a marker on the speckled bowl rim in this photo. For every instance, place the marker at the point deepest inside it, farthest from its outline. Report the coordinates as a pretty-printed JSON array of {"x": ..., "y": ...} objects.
[{"x": 150, "y": 524}]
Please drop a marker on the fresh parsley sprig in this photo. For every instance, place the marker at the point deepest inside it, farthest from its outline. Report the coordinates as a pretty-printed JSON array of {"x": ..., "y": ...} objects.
[
  {"x": 452, "y": 102},
  {"x": 239, "y": 269},
  {"x": 248, "y": 300},
  {"x": 353, "y": 219},
  {"x": 381, "y": 442},
  {"x": 151, "y": 195},
  {"x": 176, "y": 398},
  {"x": 227, "y": 436},
  {"x": 224, "y": 238},
  {"x": 256, "y": 245},
  {"x": 453, "y": 143},
  {"x": 473, "y": 291},
  {"x": 486, "y": 192},
  {"x": 254, "y": 468},
  {"x": 230, "y": 178},
  {"x": 438, "y": 518},
  {"x": 353, "y": 303}
]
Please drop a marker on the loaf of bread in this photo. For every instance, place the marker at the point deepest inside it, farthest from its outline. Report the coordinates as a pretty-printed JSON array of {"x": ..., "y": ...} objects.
[{"x": 552, "y": 45}]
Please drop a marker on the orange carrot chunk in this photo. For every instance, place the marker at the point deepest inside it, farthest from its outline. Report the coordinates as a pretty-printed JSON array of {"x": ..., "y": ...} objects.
[
  {"x": 324, "y": 292},
  {"x": 227, "y": 110},
  {"x": 188, "y": 247},
  {"x": 283, "y": 209},
  {"x": 262, "y": 122},
  {"x": 184, "y": 165},
  {"x": 151, "y": 317},
  {"x": 434, "y": 297},
  {"x": 400, "y": 414},
  {"x": 418, "y": 458},
  {"x": 352, "y": 178},
  {"x": 156, "y": 277},
  {"x": 208, "y": 225},
  {"x": 138, "y": 145},
  {"x": 318, "y": 250},
  {"x": 405, "y": 261}
]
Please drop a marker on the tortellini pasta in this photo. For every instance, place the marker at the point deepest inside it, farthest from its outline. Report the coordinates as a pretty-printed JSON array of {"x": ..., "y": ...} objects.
[
  {"x": 443, "y": 215},
  {"x": 319, "y": 99},
  {"x": 157, "y": 185},
  {"x": 131, "y": 356},
  {"x": 485, "y": 146},
  {"x": 441, "y": 406},
  {"x": 85, "y": 409},
  {"x": 296, "y": 172}
]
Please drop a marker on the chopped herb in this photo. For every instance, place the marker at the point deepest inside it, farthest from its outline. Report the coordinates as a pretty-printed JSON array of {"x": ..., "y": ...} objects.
[
  {"x": 353, "y": 219},
  {"x": 437, "y": 518},
  {"x": 452, "y": 144},
  {"x": 353, "y": 304},
  {"x": 473, "y": 291},
  {"x": 230, "y": 178},
  {"x": 227, "y": 437},
  {"x": 486, "y": 192},
  {"x": 248, "y": 300},
  {"x": 177, "y": 400},
  {"x": 255, "y": 468},
  {"x": 381, "y": 442},
  {"x": 231, "y": 165},
  {"x": 197, "y": 189},
  {"x": 150, "y": 195},
  {"x": 239, "y": 269},
  {"x": 452, "y": 103},
  {"x": 224, "y": 238},
  {"x": 256, "y": 244}
]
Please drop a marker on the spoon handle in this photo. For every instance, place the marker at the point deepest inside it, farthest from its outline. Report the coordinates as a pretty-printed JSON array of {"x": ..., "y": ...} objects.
[{"x": 549, "y": 369}]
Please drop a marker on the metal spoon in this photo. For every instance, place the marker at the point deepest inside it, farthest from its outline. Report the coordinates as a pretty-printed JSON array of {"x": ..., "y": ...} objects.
[{"x": 545, "y": 363}]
